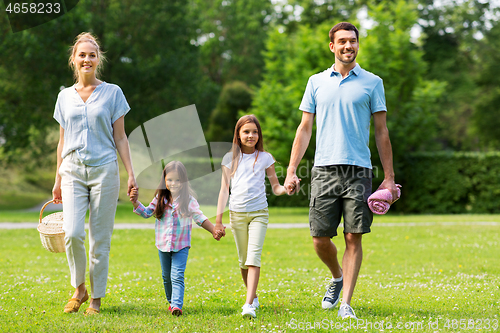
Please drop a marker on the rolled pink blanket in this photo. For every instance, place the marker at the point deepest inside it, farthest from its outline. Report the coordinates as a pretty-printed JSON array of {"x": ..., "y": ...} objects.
[{"x": 380, "y": 201}]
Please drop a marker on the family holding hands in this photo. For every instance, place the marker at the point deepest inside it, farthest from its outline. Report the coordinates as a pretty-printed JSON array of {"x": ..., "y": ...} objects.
[{"x": 343, "y": 99}]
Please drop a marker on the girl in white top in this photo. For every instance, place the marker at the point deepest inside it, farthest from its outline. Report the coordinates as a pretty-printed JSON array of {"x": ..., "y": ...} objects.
[{"x": 245, "y": 168}]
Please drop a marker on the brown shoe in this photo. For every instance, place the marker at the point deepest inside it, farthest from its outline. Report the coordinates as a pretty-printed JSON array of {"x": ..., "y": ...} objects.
[
  {"x": 75, "y": 303},
  {"x": 91, "y": 312}
]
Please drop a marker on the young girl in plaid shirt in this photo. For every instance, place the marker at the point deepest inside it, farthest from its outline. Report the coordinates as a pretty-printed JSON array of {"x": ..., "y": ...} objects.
[{"x": 174, "y": 207}]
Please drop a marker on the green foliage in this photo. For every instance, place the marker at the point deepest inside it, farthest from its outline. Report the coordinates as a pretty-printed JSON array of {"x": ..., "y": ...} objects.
[
  {"x": 386, "y": 50},
  {"x": 164, "y": 55},
  {"x": 27, "y": 185},
  {"x": 442, "y": 90},
  {"x": 314, "y": 13},
  {"x": 290, "y": 60},
  {"x": 235, "y": 96},
  {"x": 231, "y": 36},
  {"x": 487, "y": 104},
  {"x": 438, "y": 183},
  {"x": 23, "y": 190},
  {"x": 29, "y": 83},
  {"x": 150, "y": 56},
  {"x": 454, "y": 55},
  {"x": 411, "y": 99}
]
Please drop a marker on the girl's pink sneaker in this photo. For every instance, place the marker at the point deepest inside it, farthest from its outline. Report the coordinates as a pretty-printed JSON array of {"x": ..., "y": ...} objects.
[{"x": 176, "y": 311}]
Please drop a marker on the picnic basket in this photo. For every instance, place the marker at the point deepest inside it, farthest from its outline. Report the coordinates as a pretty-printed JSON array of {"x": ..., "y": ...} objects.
[{"x": 51, "y": 231}]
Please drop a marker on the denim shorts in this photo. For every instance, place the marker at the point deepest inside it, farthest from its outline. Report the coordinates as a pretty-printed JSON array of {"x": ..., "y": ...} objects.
[{"x": 340, "y": 191}]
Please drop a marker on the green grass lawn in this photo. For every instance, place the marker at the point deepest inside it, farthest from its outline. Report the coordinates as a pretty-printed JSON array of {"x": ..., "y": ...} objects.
[{"x": 419, "y": 276}]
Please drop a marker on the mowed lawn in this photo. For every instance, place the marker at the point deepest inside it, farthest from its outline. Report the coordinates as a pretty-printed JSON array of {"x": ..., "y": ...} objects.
[{"x": 426, "y": 276}]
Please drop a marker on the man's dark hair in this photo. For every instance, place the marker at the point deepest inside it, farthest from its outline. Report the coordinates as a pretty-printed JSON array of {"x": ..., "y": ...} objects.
[{"x": 343, "y": 26}]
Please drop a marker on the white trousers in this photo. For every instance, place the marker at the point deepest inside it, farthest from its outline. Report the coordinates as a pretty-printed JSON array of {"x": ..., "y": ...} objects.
[{"x": 97, "y": 188}]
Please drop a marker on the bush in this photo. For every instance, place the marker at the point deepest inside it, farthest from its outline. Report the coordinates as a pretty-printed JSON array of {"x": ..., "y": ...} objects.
[
  {"x": 445, "y": 182},
  {"x": 236, "y": 96},
  {"x": 433, "y": 183}
]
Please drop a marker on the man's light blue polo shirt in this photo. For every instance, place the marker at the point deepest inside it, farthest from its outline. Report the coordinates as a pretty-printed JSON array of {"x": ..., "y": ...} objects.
[
  {"x": 88, "y": 126},
  {"x": 343, "y": 108}
]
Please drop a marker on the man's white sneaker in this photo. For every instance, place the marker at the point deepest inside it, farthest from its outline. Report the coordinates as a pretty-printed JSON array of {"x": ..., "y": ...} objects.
[
  {"x": 248, "y": 311},
  {"x": 346, "y": 311},
  {"x": 256, "y": 303}
]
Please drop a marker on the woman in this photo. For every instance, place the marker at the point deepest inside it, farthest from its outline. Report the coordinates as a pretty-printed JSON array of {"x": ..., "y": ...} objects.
[{"x": 91, "y": 117}]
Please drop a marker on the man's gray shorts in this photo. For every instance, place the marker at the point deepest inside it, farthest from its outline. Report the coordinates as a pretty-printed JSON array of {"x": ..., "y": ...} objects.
[{"x": 336, "y": 191}]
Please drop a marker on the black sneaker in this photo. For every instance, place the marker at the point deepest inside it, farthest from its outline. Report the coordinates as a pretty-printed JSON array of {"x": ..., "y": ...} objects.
[{"x": 332, "y": 294}]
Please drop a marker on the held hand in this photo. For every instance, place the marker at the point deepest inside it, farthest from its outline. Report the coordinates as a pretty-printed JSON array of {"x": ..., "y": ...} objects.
[
  {"x": 216, "y": 235},
  {"x": 222, "y": 233},
  {"x": 219, "y": 231},
  {"x": 134, "y": 194},
  {"x": 131, "y": 184},
  {"x": 390, "y": 185},
  {"x": 56, "y": 193},
  {"x": 292, "y": 184}
]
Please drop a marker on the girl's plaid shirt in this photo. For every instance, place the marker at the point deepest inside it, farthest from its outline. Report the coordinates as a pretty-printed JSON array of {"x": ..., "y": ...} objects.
[{"x": 173, "y": 231}]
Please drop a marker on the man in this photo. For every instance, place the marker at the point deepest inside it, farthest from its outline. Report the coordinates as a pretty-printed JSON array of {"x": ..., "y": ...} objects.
[{"x": 343, "y": 98}]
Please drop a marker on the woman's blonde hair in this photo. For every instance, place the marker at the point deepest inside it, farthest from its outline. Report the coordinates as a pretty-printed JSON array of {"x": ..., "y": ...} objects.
[{"x": 83, "y": 38}]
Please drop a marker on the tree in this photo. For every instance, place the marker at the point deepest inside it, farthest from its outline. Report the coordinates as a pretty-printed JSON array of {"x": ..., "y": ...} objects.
[
  {"x": 290, "y": 59},
  {"x": 32, "y": 70},
  {"x": 295, "y": 13},
  {"x": 487, "y": 106},
  {"x": 150, "y": 56},
  {"x": 450, "y": 43},
  {"x": 386, "y": 50},
  {"x": 235, "y": 97},
  {"x": 231, "y": 37}
]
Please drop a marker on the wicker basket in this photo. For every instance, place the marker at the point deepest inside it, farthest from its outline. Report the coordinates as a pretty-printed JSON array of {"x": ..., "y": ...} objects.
[{"x": 51, "y": 231}]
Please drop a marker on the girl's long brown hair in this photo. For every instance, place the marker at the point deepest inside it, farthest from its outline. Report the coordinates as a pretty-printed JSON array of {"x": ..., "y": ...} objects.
[
  {"x": 236, "y": 150},
  {"x": 164, "y": 196}
]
